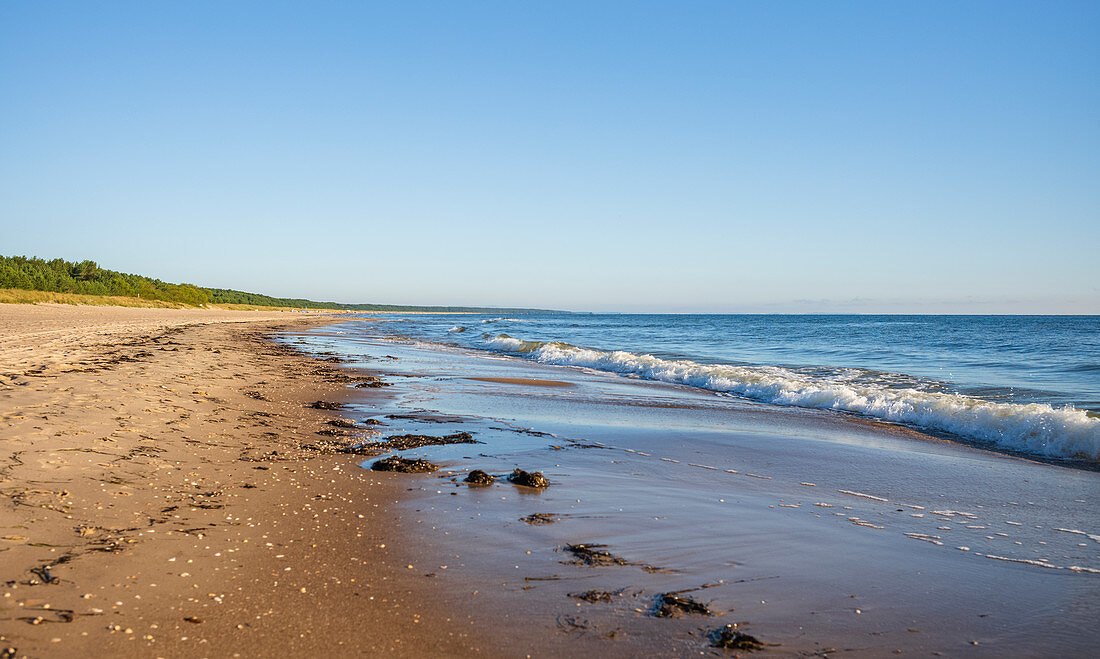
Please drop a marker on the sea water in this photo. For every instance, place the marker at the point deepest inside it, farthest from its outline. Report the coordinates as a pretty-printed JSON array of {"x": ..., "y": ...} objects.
[{"x": 1028, "y": 384}]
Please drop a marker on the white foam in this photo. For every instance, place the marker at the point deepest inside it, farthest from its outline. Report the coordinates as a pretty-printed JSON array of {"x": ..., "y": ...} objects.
[
  {"x": 1024, "y": 561},
  {"x": 1034, "y": 428},
  {"x": 934, "y": 539},
  {"x": 1091, "y": 536},
  {"x": 861, "y": 494}
]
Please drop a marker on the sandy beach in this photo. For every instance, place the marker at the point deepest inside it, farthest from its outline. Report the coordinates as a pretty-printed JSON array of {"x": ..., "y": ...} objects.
[
  {"x": 171, "y": 487},
  {"x": 163, "y": 495}
]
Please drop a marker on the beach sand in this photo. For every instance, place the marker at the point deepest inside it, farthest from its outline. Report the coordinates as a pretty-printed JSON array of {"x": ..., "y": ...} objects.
[{"x": 156, "y": 498}]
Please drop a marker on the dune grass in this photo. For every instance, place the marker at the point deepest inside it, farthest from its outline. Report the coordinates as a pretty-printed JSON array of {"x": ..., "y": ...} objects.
[{"x": 21, "y": 296}]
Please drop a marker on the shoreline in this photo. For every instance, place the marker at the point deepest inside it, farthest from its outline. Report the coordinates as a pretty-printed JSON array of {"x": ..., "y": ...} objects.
[
  {"x": 168, "y": 490},
  {"x": 811, "y": 531},
  {"x": 158, "y": 506}
]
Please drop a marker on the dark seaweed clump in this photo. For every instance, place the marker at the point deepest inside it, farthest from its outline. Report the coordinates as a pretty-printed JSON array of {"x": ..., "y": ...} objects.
[
  {"x": 479, "y": 477},
  {"x": 730, "y": 638},
  {"x": 324, "y": 405},
  {"x": 669, "y": 605},
  {"x": 591, "y": 556},
  {"x": 404, "y": 465},
  {"x": 403, "y": 442},
  {"x": 539, "y": 518},
  {"x": 594, "y": 596},
  {"x": 529, "y": 478}
]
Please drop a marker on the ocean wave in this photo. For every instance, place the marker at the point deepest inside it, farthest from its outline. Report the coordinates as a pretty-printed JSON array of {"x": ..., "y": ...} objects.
[{"x": 1033, "y": 428}]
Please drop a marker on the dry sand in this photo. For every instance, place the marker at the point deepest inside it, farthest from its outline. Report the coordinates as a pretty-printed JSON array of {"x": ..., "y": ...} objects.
[{"x": 163, "y": 492}]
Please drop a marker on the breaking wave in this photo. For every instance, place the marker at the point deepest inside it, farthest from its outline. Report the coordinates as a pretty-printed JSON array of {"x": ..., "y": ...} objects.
[{"x": 1035, "y": 428}]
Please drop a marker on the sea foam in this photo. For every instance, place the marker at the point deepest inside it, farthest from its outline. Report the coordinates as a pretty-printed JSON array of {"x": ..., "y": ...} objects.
[{"x": 1035, "y": 428}]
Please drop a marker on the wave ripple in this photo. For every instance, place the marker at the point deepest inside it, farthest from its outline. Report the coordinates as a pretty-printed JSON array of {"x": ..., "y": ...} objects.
[{"x": 1035, "y": 428}]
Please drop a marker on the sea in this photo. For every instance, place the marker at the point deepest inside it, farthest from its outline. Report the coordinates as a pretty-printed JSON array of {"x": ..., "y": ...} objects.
[{"x": 1023, "y": 384}]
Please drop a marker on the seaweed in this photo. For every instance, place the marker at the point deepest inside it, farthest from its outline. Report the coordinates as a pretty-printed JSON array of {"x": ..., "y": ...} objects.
[
  {"x": 539, "y": 518},
  {"x": 404, "y": 442},
  {"x": 594, "y": 596},
  {"x": 670, "y": 605},
  {"x": 529, "y": 479},
  {"x": 730, "y": 638},
  {"x": 592, "y": 556},
  {"x": 404, "y": 465},
  {"x": 479, "y": 477}
]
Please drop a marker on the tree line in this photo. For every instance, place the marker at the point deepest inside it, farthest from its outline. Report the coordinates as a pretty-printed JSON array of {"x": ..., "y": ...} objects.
[{"x": 87, "y": 278}]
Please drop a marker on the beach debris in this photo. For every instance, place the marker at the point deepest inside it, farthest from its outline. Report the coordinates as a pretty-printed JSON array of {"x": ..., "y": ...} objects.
[
  {"x": 372, "y": 384},
  {"x": 192, "y": 620},
  {"x": 43, "y": 574},
  {"x": 528, "y": 478},
  {"x": 592, "y": 556},
  {"x": 372, "y": 422},
  {"x": 523, "y": 431},
  {"x": 479, "y": 477},
  {"x": 731, "y": 638},
  {"x": 571, "y": 625},
  {"x": 594, "y": 596},
  {"x": 343, "y": 423},
  {"x": 50, "y": 615},
  {"x": 427, "y": 417},
  {"x": 403, "y": 442},
  {"x": 324, "y": 405},
  {"x": 670, "y": 605},
  {"x": 255, "y": 395},
  {"x": 404, "y": 465},
  {"x": 539, "y": 518}
]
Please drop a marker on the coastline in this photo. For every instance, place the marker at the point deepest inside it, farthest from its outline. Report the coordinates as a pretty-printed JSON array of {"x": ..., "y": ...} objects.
[
  {"x": 159, "y": 506},
  {"x": 167, "y": 493},
  {"x": 814, "y": 531}
]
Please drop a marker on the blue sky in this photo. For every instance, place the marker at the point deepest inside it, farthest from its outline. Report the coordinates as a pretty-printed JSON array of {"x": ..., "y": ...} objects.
[{"x": 622, "y": 156}]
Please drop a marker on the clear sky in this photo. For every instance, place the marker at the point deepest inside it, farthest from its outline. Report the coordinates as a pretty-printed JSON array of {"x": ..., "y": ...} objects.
[{"x": 622, "y": 156}]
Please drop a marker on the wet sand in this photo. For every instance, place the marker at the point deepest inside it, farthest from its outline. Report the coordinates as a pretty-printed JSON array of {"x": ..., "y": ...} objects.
[
  {"x": 164, "y": 492},
  {"x": 528, "y": 382}
]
